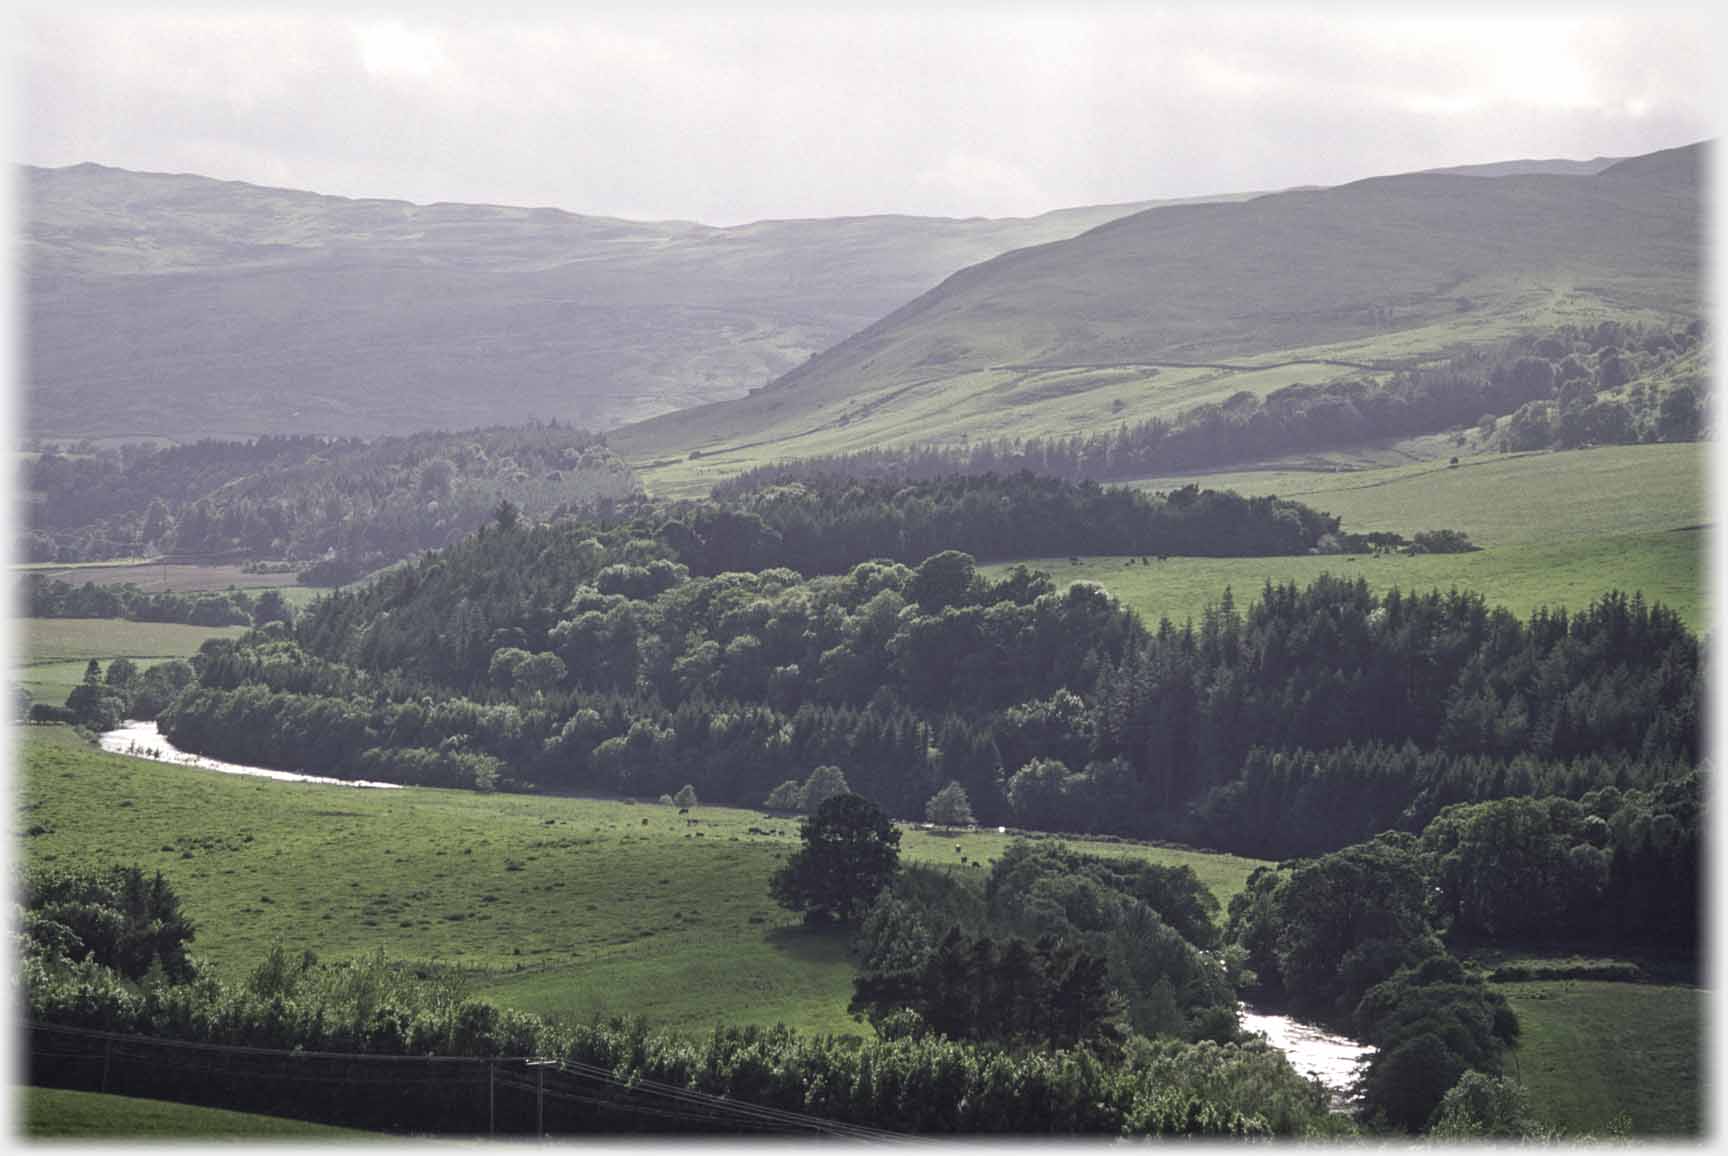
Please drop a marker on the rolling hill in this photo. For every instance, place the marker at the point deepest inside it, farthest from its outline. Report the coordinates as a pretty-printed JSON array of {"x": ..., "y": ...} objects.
[
  {"x": 1157, "y": 311},
  {"x": 181, "y": 306}
]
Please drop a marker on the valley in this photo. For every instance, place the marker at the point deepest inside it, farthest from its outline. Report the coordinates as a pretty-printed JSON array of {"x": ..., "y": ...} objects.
[{"x": 954, "y": 675}]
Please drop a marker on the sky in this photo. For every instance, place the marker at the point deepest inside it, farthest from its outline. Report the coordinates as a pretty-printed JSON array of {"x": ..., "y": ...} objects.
[{"x": 732, "y": 114}]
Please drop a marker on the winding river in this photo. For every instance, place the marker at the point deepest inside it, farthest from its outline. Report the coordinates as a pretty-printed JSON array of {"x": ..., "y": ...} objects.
[
  {"x": 145, "y": 741},
  {"x": 1332, "y": 1059}
]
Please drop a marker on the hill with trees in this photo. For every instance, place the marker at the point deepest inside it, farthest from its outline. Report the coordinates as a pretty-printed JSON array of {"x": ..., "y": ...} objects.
[
  {"x": 1381, "y": 274},
  {"x": 1611, "y": 383}
]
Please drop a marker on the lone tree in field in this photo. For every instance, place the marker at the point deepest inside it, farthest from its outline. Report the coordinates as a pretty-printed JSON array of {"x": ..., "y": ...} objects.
[
  {"x": 950, "y": 807},
  {"x": 850, "y": 853}
]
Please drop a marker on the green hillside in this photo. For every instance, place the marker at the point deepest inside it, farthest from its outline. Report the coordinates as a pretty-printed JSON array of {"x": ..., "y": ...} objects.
[{"x": 1158, "y": 311}]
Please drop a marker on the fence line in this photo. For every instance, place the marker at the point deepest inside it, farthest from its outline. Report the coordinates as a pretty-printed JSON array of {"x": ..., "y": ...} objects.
[{"x": 469, "y": 1095}]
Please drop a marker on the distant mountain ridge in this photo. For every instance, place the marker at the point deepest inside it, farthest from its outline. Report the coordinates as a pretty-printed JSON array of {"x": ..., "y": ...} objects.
[{"x": 183, "y": 306}]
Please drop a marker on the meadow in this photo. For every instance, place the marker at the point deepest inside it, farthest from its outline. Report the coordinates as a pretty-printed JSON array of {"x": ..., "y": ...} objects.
[
  {"x": 155, "y": 576},
  {"x": 1591, "y": 1050},
  {"x": 56, "y": 1113},
  {"x": 54, "y": 651},
  {"x": 556, "y": 905},
  {"x": 1557, "y": 529}
]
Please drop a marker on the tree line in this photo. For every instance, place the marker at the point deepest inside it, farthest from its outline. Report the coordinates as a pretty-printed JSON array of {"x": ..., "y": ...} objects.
[
  {"x": 56, "y": 598},
  {"x": 349, "y": 503}
]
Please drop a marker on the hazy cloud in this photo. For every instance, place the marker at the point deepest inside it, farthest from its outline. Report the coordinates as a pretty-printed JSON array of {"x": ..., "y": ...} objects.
[{"x": 726, "y": 115}]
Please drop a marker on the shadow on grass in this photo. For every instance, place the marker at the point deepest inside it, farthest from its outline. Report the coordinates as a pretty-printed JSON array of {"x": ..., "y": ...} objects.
[{"x": 811, "y": 944}]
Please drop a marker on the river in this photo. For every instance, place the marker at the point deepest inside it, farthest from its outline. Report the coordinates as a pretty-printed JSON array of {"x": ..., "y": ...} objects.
[
  {"x": 144, "y": 740},
  {"x": 1332, "y": 1059}
]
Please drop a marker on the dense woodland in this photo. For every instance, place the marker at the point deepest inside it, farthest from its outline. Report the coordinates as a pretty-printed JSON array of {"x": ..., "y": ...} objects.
[
  {"x": 530, "y": 658},
  {"x": 1613, "y": 383},
  {"x": 359, "y": 504}
]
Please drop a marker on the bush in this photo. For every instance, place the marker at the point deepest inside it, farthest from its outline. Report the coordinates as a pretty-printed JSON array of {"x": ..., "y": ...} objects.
[
  {"x": 1479, "y": 1106},
  {"x": 117, "y": 918}
]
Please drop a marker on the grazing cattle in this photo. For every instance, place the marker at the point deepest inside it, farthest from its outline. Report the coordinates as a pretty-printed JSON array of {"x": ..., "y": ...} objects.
[{"x": 683, "y": 810}]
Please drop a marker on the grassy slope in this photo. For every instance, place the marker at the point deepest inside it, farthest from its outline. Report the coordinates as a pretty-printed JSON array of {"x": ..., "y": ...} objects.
[
  {"x": 1502, "y": 499},
  {"x": 56, "y": 650},
  {"x": 57, "y": 1113},
  {"x": 613, "y": 905},
  {"x": 1559, "y": 529},
  {"x": 54, "y": 1113},
  {"x": 1372, "y": 271},
  {"x": 1591, "y": 1050}
]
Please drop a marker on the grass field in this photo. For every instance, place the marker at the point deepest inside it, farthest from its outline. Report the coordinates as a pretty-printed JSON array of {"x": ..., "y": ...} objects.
[
  {"x": 1557, "y": 530},
  {"x": 1501, "y": 499},
  {"x": 53, "y": 652},
  {"x": 1590, "y": 1051},
  {"x": 54, "y": 1113},
  {"x": 154, "y": 577},
  {"x": 557, "y": 904}
]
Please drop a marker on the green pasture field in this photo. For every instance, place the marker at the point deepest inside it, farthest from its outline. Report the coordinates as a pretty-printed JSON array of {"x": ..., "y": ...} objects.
[
  {"x": 1591, "y": 1050},
  {"x": 155, "y": 577},
  {"x": 557, "y": 905},
  {"x": 1666, "y": 566},
  {"x": 1558, "y": 529},
  {"x": 54, "y": 1113},
  {"x": 1501, "y": 499},
  {"x": 53, "y": 652}
]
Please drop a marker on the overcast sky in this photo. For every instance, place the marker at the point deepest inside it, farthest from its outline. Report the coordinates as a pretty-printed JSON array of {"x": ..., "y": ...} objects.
[{"x": 730, "y": 115}]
